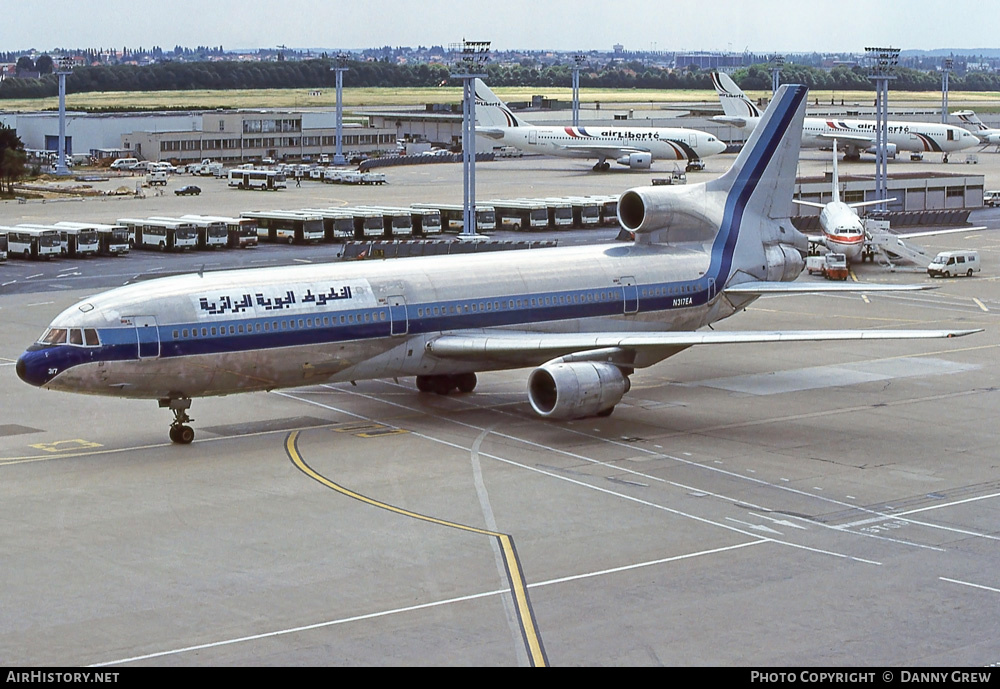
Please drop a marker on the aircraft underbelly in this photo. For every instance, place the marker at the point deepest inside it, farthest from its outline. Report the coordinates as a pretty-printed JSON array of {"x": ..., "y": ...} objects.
[{"x": 206, "y": 375}]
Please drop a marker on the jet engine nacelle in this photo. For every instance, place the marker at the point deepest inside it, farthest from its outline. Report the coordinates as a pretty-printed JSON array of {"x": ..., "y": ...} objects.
[
  {"x": 575, "y": 390},
  {"x": 638, "y": 161},
  {"x": 686, "y": 211},
  {"x": 890, "y": 150},
  {"x": 784, "y": 262}
]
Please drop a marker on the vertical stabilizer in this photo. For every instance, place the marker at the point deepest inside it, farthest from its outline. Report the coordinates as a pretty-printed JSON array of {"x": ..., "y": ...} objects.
[
  {"x": 762, "y": 180},
  {"x": 971, "y": 118},
  {"x": 493, "y": 112},
  {"x": 836, "y": 177},
  {"x": 734, "y": 102}
]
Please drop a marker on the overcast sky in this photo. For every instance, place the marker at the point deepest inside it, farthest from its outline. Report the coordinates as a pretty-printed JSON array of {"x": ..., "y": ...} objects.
[{"x": 756, "y": 25}]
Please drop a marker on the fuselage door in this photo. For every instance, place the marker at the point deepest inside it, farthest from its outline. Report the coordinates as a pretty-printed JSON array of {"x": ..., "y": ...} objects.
[
  {"x": 532, "y": 136},
  {"x": 147, "y": 335},
  {"x": 631, "y": 294},
  {"x": 398, "y": 322}
]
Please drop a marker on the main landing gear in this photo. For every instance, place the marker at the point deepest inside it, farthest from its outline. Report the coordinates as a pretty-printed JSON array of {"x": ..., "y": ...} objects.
[
  {"x": 179, "y": 433},
  {"x": 602, "y": 166},
  {"x": 444, "y": 384}
]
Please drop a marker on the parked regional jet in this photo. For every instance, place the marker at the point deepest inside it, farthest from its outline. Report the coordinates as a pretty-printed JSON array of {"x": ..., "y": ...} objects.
[
  {"x": 636, "y": 147},
  {"x": 584, "y": 318},
  {"x": 857, "y": 136},
  {"x": 843, "y": 231},
  {"x": 986, "y": 136}
]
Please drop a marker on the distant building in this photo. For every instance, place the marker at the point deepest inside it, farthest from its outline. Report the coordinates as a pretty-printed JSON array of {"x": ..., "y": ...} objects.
[{"x": 252, "y": 135}]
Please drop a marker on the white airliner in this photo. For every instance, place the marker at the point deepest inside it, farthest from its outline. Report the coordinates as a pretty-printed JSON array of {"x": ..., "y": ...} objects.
[
  {"x": 636, "y": 147},
  {"x": 843, "y": 231},
  {"x": 584, "y": 318},
  {"x": 986, "y": 136},
  {"x": 856, "y": 136}
]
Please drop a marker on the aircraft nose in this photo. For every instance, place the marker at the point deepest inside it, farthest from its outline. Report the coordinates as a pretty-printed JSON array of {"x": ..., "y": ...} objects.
[{"x": 32, "y": 368}]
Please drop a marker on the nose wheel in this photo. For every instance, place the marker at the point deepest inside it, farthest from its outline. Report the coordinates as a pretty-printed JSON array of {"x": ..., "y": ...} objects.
[{"x": 180, "y": 433}]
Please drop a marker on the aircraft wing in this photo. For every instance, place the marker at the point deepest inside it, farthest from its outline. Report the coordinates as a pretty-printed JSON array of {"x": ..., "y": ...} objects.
[
  {"x": 931, "y": 233},
  {"x": 602, "y": 150},
  {"x": 634, "y": 349},
  {"x": 843, "y": 137},
  {"x": 491, "y": 132}
]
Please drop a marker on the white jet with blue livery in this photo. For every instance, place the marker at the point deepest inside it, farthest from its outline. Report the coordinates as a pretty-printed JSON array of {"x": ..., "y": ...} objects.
[{"x": 582, "y": 318}]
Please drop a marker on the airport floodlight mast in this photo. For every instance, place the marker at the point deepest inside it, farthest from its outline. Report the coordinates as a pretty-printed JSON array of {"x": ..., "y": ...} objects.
[
  {"x": 63, "y": 66},
  {"x": 882, "y": 64},
  {"x": 577, "y": 62},
  {"x": 777, "y": 62},
  {"x": 945, "y": 71},
  {"x": 472, "y": 56},
  {"x": 338, "y": 156}
]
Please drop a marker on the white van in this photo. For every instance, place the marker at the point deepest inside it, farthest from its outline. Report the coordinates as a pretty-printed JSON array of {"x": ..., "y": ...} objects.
[
  {"x": 949, "y": 263},
  {"x": 991, "y": 198},
  {"x": 125, "y": 164}
]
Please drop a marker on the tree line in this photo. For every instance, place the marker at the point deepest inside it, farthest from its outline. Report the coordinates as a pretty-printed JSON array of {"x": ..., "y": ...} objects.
[{"x": 170, "y": 76}]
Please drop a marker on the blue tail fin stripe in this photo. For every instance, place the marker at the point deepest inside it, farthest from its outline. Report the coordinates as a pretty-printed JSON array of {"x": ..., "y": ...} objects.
[{"x": 747, "y": 180}]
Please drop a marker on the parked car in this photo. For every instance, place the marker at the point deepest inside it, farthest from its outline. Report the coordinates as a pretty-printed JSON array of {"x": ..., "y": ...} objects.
[{"x": 188, "y": 190}]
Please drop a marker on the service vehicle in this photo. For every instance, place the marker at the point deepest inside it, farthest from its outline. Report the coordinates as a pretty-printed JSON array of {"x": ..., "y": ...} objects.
[
  {"x": 188, "y": 190},
  {"x": 954, "y": 263},
  {"x": 835, "y": 266},
  {"x": 160, "y": 235}
]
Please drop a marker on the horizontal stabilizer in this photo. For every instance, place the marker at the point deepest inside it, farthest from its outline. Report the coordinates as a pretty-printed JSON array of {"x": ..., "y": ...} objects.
[
  {"x": 760, "y": 288},
  {"x": 738, "y": 122},
  {"x": 491, "y": 132}
]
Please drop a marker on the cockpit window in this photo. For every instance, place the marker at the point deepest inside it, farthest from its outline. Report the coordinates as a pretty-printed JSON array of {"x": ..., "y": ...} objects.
[
  {"x": 90, "y": 336},
  {"x": 76, "y": 336},
  {"x": 54, "y": 336}
]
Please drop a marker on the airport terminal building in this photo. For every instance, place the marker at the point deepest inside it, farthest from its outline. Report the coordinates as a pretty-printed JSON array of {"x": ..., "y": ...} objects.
[{"x": 229, "y": 136}]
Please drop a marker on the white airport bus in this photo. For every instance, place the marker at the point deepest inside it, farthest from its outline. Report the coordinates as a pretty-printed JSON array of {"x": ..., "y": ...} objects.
[
  {"x": 259, "y": 180},
  {"x": 521, "y": 214},
  {"x": 161, "y": 235},
  {"x": 287, "y": 226},
  {"x": 112, "y": 240},
  {"x": 241, "y": 233},
  {"x": 338, "y": 226},
  {"x": 212, "y": 234},
  {"x": 452, "y": 216},
  {"x": 3, "y": 245},
  {"x": 32, "y": 242}
]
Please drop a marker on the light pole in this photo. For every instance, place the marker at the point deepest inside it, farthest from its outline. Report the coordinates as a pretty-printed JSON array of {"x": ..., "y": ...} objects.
[
  {"x": 63, "y": 66},
  {"x": 473, "y": 55},
  {"x": 882, "y": 69},
  {"x": 946, "y": 70},
  {"x": 777, "y": 62},
  {"x": 338, "y": 156},
  {"x": 577, "y": 62}
]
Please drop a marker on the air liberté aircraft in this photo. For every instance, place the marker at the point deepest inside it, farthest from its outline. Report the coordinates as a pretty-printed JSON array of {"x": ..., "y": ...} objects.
[
  {"x": 986, "y": 136},
  {"x": 635, "y": 147},
  {"x": 584, "y": 318},
  {"x": 857, "y": 136}
]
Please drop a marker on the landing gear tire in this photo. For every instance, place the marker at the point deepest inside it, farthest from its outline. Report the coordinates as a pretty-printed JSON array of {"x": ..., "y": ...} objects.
[
  {"x": 424, "y": 383},
  {"x": 466, "y": 382},
  {"x": 182, "y": 435},
  {"x": 606, "y": 412}
]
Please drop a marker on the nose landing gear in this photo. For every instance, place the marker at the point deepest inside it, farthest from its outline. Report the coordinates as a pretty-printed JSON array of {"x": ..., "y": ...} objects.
[{"x": 179, "y": 432}]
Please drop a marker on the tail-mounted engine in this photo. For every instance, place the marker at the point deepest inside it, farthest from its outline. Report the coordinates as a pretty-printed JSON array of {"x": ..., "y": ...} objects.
[
  {"x": 784, "y": 262},
  {"x": 683, "y": 213},
  {"x": 575, "y": 390}
]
